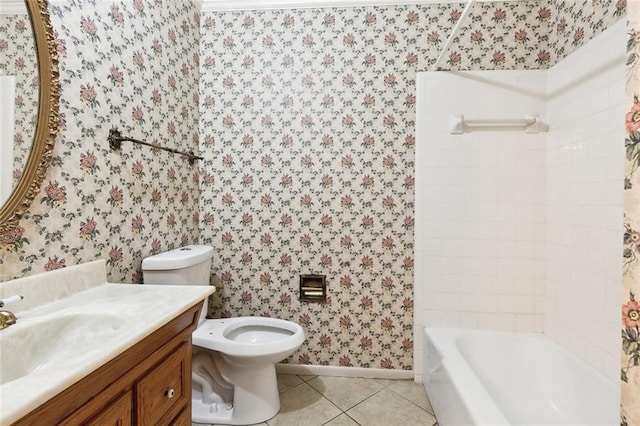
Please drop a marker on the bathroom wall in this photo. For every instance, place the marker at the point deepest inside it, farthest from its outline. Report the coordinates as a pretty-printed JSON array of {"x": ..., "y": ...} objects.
[
  {"x": 98, "y": 204},
  {"x": 584, "y": 177},
  {"x": 574, "y": 22},
  {"x": 18, "y": 58},
  {"x": 516, "y": 230},
  {"x": 631, "y": 259},
  {"x": 307, "y": 128},
  {"x": 480, "y": 204},
  {"x": 131, "y": 65}
]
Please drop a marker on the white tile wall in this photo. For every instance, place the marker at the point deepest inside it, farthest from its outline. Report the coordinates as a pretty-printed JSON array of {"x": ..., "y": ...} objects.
[
  {"x": 585, "y": 152},
  {"x": 480, "y": 204},
  {"x": 517, "y": 231}
]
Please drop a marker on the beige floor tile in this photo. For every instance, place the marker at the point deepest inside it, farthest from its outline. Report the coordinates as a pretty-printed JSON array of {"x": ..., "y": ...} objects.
[
  {"x": 386, "y": 382},
  {"x": 412, "y": 391},
  {"x": 303, "y": 405},
  {"x": 388, "y": 408},
  {"x": 287, "y": 381},
  {"x": 342, "y": 420},
  {"x": 307, "y": 377},
  {"x": 345, "y": 392}
]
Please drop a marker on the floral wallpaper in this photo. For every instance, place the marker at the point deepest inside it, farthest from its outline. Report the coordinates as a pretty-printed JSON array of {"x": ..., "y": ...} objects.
[
  {"x": 306, "y": 124},
  {"x": 131, "y": 65},
  {"x": 631, "y": 295},
  {"x": 575, "y": 22},
  {"x": 18, "y": 58},
  {"x": 307, "y": 128}
]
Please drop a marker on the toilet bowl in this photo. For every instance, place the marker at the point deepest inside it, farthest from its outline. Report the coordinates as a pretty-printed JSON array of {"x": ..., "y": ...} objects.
[
  {"x": 233, "y": 366},
  {"x": 246, "y": 339},
  {"x": 245, "y": 352}
]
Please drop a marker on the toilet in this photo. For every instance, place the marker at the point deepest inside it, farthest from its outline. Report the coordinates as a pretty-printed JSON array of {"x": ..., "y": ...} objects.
[{"x": 233, "y": 369}]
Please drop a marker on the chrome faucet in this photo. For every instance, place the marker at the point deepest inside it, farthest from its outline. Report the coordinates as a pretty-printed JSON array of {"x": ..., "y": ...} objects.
[{"x": 8, "y": 318}]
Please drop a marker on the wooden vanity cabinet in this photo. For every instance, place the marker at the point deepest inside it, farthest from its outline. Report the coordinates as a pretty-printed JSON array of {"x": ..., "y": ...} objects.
[
  {"x": 148, "y": 384},
  {"x": 117, "y": 413}
]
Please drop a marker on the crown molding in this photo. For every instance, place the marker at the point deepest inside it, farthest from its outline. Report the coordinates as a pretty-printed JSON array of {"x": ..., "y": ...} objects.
[
  {"x": 237, "y": 5},
  {"x": 13, "y": 7}
]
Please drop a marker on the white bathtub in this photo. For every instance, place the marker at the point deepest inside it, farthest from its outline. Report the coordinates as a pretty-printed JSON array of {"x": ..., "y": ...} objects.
[{"x": 481, "y": 377}]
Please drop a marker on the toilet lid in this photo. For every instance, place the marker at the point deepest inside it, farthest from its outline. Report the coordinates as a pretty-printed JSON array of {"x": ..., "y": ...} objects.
[{"x": 179, "y": 258}]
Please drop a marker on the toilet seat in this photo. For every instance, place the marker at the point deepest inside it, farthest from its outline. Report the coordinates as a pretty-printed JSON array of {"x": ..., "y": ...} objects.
[{"x": 248, "y": 336}]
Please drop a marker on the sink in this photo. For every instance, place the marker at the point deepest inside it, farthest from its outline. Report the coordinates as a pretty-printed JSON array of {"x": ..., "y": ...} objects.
[
  {"x": 52, "y": 342},
  {"x": 72, "y": 322}
]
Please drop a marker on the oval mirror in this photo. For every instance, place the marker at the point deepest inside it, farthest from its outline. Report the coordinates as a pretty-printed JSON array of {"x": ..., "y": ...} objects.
[{"x": 21, "y": 183}]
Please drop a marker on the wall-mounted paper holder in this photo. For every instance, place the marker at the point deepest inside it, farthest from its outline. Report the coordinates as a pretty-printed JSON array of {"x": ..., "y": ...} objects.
[{"x": 313, "y": 288}]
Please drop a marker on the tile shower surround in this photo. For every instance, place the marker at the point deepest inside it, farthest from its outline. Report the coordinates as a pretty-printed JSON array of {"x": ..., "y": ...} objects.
[
  {"x": 481, "y": 200},
  {"x": 501, "y": 211}
]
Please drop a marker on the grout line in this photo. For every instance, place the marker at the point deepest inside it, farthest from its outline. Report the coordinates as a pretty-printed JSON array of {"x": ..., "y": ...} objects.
[
  {"x": 341, "y": 413},
  {"x": 354, "y": 420},
  {"x": 331, "y": 402},
  {"x": 308, "y": 379},
  {"x": 408, "y": 400},
  {"x": 332, "y": 419},
  {"x": 369, "y": 397},
  {"x": 345, "y": 412}
]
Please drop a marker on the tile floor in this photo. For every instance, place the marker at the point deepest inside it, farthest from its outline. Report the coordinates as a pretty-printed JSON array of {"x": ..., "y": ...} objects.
[{"x": 347, "y": 401}]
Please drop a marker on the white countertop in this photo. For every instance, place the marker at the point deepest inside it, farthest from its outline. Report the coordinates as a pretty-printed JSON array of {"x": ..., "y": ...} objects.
[{"x": 104, "y": 320}]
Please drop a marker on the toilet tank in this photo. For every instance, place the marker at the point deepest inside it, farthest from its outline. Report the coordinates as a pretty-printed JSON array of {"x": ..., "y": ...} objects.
[{"x": 189, "y": 265}]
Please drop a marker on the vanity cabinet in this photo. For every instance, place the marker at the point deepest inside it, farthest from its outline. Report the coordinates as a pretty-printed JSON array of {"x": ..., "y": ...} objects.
[
  {"x": 148, "y": 384},
  {"x": 164, "y": 387},
  {"x": 118, "y": 413}
]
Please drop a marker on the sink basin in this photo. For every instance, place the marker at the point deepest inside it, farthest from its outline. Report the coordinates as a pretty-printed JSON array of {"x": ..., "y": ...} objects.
[
  {"x": 71, "y": 322},
  {"x": 53, "y": 341}
]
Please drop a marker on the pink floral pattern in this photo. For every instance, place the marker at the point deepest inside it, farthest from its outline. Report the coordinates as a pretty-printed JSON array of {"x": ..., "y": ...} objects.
[
  {"x": 630, "y": 324},
  {"x": 306, "y": 123},
  {"x": 98, "y": 203},
  {"x": 575, "y": 22}
]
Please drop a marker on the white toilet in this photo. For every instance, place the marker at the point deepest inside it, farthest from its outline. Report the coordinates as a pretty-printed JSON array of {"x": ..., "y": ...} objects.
[{"x": 233, "y": 371}]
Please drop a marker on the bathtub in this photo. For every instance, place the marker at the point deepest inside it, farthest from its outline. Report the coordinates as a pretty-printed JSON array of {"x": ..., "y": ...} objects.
[{"x": 481, "y": 377}]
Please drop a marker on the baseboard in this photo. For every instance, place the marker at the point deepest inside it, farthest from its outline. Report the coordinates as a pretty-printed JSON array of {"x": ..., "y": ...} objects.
[{"x": 327, "y": 370}]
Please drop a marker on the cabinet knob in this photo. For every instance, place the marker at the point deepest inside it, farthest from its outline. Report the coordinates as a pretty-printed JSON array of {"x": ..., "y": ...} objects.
[{"x": 169, "y": 393}]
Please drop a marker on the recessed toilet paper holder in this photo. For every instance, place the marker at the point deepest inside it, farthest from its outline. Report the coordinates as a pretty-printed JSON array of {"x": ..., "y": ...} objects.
[{"x": 313, "y": 288}]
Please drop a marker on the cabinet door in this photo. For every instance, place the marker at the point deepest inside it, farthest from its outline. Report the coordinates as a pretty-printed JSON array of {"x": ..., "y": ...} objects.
[
  {"x": 182, "y": 419},
  {"x": 118, "y": 413},
  {"x": 165, "y": 390}
]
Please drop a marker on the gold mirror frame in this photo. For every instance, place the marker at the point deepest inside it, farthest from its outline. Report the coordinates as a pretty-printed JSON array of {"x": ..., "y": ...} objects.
[{"x": 44, "y": 137}]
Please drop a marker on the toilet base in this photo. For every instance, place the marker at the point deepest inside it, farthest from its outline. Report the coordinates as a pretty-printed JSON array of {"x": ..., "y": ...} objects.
[
  {"x": 210, "y": 413},
  {"x": 255, "y": 397}
]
